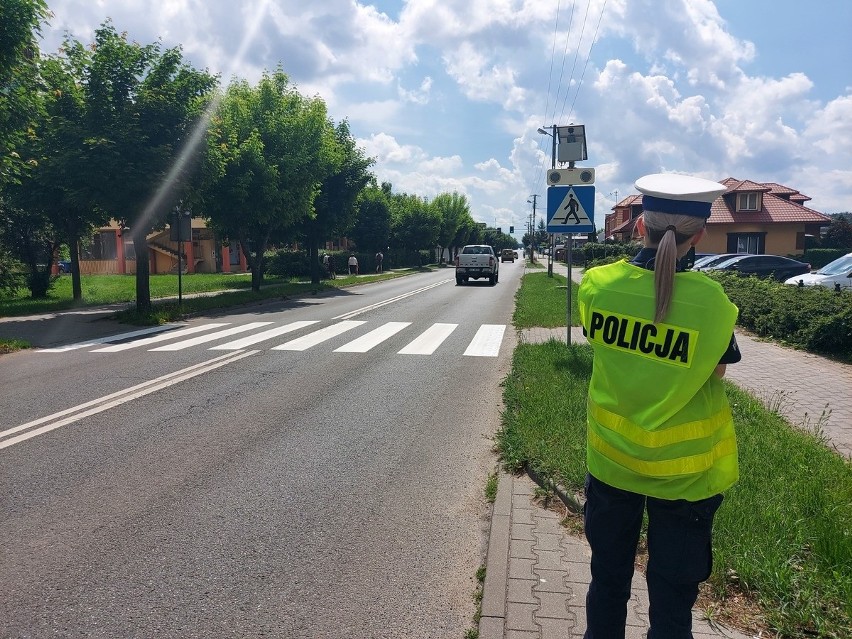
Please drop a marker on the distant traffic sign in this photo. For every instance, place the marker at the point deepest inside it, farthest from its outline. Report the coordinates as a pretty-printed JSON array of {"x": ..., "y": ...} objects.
[{"x": 570, "y": 209}]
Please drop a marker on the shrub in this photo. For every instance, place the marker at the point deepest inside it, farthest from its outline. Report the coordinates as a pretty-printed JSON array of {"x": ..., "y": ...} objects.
[
  {"x": 286, "y": 263},
  {"x": 811, "y": 317},
  {"x": 818, "y": 258}
]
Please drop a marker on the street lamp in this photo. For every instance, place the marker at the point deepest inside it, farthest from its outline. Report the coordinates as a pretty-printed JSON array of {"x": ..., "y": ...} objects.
[{"x": 553, "y": 136}]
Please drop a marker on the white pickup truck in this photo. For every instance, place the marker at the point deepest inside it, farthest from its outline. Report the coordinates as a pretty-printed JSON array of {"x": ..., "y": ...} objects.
[{"x": 476, "y": 261}]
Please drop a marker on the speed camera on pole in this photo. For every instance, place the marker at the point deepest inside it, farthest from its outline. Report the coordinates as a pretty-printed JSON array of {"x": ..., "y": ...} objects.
[{"x": 572, "y": 143}]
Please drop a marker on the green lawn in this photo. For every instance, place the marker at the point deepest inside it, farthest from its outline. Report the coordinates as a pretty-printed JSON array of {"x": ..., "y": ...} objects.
[{"x": 784, "y": 534}]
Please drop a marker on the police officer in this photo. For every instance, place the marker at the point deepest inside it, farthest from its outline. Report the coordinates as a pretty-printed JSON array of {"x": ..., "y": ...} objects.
[{"x": 660, "y": 431}]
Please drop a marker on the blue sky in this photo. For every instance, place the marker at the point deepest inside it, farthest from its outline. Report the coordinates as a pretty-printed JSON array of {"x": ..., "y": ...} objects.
[{"x": 447, "y": 95}]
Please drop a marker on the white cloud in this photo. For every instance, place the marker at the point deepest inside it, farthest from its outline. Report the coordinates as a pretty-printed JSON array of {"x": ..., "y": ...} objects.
[
  {"x": 418, "y": 96},
  {"x": 667, "y": 87}
]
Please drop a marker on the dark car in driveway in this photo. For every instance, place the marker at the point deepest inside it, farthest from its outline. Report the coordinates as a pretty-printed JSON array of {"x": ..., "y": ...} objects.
[
  {"x": 774, "y": 266},
  {"x": 706, "y": 261}
]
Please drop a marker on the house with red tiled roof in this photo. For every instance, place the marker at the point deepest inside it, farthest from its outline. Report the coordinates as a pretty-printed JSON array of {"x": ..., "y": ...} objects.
[{"x": 750, "y": 217}]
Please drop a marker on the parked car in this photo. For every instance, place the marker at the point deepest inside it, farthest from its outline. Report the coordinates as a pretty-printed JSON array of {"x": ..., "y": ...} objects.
[
  {"x": 774, "y": 266},
  {"x": 507, "y": 255},
  {"x": 836, "y": 274},
  {"x": 711, "y": 260}
]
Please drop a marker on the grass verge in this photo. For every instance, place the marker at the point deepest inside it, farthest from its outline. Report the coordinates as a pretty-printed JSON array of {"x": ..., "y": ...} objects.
[
  {"x": 783, "y": 537},
  {"x": 200, "y": 292}
]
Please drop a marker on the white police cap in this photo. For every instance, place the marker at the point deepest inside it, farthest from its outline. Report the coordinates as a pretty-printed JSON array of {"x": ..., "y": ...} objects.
[{"x": 678, "y": 194}]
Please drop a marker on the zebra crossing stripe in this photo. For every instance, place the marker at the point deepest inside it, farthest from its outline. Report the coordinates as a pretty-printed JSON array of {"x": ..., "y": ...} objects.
[
  {"x": 486, "y": 342},
  {"x": 373, "y": 338},
  {"x": 317, "y": 337},
  {"x": 162, "y": 337},
  {"x": 429, "y": 340},
  {"x": 195, "y": 341},
  {"x": 107, "y": 340},
  {"x": 260, "y": 337}
]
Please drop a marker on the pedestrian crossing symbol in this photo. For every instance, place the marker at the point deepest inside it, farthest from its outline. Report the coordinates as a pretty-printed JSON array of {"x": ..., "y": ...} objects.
[{"x": 570, "y": 209}]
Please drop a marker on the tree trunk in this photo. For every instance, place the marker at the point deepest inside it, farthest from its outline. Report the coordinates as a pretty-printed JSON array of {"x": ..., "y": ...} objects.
[
  {"x": 143, "y": 272},
  {"x": 313, "y": 260},
  {"x": 76, "y": 284}
]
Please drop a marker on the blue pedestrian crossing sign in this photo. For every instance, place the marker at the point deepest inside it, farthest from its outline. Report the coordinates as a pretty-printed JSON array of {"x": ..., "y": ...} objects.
[{"x": 571, "y": 209}]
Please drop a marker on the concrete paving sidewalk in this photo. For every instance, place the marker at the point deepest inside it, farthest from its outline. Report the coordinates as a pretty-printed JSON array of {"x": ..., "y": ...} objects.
[{"x": 537, "y": 572}]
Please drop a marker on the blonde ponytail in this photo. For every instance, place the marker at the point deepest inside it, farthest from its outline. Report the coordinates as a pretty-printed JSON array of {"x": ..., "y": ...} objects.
[{"x": 667, "y": 231}]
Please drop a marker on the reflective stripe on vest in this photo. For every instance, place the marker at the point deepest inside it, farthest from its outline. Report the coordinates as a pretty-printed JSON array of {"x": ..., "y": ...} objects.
[
  {"x": 666, "y": 468},
  {"x": 698, "y": 429}
]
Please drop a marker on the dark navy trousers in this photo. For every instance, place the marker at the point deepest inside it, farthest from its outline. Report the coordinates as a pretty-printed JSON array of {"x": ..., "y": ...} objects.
[{"x": 680, "y": 557}]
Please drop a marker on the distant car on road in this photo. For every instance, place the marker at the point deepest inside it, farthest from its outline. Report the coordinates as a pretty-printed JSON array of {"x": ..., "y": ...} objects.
[
  {"x": 833, "y": 275},
  {"x": 775, "y": 266},
  {"x": 507, "y": 255}
]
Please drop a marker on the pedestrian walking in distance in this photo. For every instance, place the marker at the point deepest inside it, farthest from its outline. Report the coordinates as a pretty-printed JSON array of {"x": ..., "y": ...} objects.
[
  {"x": 353, "y": 264},
  {"x": 379, "y": 259},
  {"x": 660, "y": 435}
]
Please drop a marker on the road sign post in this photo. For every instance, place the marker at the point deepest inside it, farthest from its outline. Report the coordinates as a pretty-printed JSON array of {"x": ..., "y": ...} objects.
[{"x": 570, "y": 209}]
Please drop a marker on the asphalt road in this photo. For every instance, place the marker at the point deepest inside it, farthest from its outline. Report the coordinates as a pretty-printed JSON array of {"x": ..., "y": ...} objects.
[{"x": 251, "y": 490}]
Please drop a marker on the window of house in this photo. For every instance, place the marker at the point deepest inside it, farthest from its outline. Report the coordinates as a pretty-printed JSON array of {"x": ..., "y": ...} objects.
[
  {"x": 747, "y": 201},
  {"x": 102, "y": 247},
  {"x": 747, "y": 243},
  {"x": 129, "y": 250}
]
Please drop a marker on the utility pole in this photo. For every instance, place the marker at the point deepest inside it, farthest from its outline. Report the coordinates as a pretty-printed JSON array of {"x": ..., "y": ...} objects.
[{"x": 534, "y": 197}]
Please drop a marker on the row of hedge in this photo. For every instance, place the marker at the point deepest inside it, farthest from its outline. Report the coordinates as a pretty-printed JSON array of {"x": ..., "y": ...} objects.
[
  {"x": 814, "y": 318},
  {"x": 287, "y": 263}
]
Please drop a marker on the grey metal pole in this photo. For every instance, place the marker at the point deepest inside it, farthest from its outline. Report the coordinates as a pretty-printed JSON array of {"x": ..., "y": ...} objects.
[
  {"x": 180, "y": 265},
  {"x": 568, "y": 255}
]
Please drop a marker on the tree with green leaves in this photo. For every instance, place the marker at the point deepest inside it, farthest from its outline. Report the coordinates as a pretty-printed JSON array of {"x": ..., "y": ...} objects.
[
  {"x": 454, "y": 211},
  {"x": 268, "y": 151},
  {"x": 56, "y": 185},
  {"x": 334, "y": 205},
  {"x": 144, "y": 109},
  {"x": 839, "y": 233},
  {"x": 20, "y": 23},
  {"x": 372, "y": 229},
  {"x": 416, "y": 224},
  {"x": 32, "y": 239}
]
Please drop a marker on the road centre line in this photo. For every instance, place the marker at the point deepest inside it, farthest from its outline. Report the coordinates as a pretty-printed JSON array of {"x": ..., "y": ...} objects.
[
  {"x": 116, "y": 399},
  {"x": 111, "y": 338},
  {"x": 390, "y": 300}
]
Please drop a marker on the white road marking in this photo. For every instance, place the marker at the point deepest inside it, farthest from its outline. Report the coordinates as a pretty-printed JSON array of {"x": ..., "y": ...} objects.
[
  {"x": 162, "y": 337},
  {"x": 203, "y": 339},
  {"x": 317, "y": 337},
  {"x": 111, "y": 338},
  {"x": 486, "y": 342},
  {"x": 429, "y": 340},
  {"x": 260, "y": 337},
  {"x": 373, "y": 338},
  {"x": 390, "y": 300},
  {"x": 101, "y": 404}
]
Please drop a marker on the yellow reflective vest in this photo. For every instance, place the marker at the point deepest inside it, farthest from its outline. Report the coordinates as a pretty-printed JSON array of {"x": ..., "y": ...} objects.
[{"x": 658, "y": 420}]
